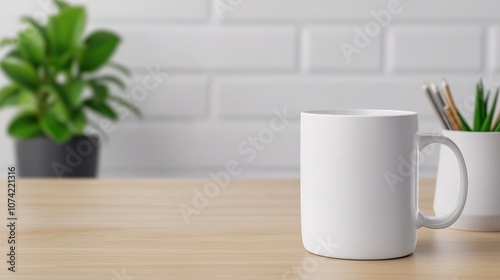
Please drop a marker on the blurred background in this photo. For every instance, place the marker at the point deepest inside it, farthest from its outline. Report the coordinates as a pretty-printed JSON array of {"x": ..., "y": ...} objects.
[{"x": 225, "y": 80}]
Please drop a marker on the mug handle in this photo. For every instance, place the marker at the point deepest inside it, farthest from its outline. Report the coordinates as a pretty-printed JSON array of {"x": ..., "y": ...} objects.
[{"x": 421, "y": 141}]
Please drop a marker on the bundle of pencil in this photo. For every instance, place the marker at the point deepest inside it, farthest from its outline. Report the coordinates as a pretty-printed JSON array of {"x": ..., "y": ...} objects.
[
  {"x": 451, "y": 119},
  {"x": 444, "y": 105}
]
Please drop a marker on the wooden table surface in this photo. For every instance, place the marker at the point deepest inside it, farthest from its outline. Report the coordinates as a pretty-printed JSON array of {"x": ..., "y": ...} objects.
[{"x": 133, "y": 230}]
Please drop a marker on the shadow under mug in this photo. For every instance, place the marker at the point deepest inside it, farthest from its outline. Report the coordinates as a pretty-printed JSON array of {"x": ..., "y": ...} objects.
[{"x": 359, "y": 183}]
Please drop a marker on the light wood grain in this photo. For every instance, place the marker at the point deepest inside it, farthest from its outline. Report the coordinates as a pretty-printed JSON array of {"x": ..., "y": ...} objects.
[{"x": 132, "y": 229}]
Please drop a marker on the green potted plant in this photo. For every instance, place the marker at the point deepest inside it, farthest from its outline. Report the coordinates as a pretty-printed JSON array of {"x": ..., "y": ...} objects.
[
  {"x": 55, "y": 85},
  {"x": 479, "y": 143}
]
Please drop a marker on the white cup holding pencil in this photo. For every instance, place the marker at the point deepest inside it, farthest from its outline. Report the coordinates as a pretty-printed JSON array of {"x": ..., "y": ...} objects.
[{"x": 479, "y": 141}]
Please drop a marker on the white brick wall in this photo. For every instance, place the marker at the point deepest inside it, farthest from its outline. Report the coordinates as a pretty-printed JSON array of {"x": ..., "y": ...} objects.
[
  {"x": 319, "y": 55},
  {"x": 196, "y": 48},
  {"x": 178, "y": 97},
  {"x": 225, "y": 76},
  {"x": 431, "y": 47}
]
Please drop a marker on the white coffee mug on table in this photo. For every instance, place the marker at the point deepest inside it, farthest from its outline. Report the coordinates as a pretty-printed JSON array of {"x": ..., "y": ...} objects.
[{"x": 359, "y": 183}]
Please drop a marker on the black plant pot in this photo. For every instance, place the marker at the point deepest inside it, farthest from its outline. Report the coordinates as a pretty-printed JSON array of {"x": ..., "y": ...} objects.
[{"x": 42, "y": 157}]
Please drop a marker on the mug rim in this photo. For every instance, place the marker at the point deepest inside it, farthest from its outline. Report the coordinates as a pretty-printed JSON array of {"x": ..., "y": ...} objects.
[
  {"x": 360, "y": 113},
  {"x": 470, "y": 133}
]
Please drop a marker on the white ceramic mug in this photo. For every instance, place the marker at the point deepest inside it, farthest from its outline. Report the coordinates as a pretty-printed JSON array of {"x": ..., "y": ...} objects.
[
  {"x": 481, "y": 152},
  {"x": 359, "y": 183}
]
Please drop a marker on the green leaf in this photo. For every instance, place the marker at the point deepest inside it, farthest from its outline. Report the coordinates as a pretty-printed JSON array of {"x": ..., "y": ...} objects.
[
  {"x": 65, "y": 29},
  {"x": 124, "y": 102},
  {"x": 465, "y": 126},
  {"x": 21, "y": 72},
  {"x": 486, "y": 99},
  {"x": 54, "y": 128},
  {"x": 484, "y": 111},
  {"x": 61, "y": 110},
  {"x": 489, "y": 118},
  {"x": 120, "y": 68},
  {"x": 61, "y": 61},
  {"x": 78, "y": 121},
  {"x": 497, "y": 126},
  {"x": 102, "y": 109},
  {"x": 8, "y": 96},
  {"x": 24, "y": 126},
  {"x": 35, "y": 24},
  {"x": 61, "y": 5},
  {"x": 61, "y": 107},
  {"x": 497, "y": 122},
  {"x": 73, "y": 93},
  {"x": 32, "y": 45},
  {"x": 101, "y": 92},
  {"x": 13, "y": 54},
  {"x": 14, "y": 96},
  {"x": 5, "y": 42},
  {"x": 478, "y": 119},
  {"x": 99, "y": 47},
  {"x": 110, "y": 79}
]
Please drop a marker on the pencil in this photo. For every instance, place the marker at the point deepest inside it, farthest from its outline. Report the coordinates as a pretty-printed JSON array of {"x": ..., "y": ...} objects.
[
  {"x": 438, "y": 108},
  {"x": 441, "y": 102},
  {"x": 449, "y": 114},
  {"x": 451, "y": 104},
  {"x": 438, "y": 93}
]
